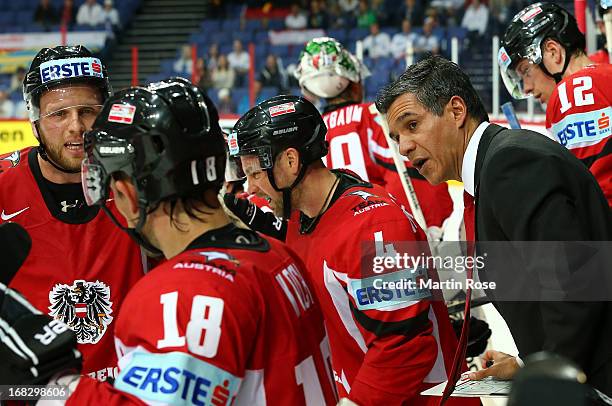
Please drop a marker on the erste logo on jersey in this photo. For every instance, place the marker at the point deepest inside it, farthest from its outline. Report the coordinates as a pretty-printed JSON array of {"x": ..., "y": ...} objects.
[
  {"x": 70, "y": 68},
  {"x": 176, "y": 378},
  {"x": 85, "y": 307},
  {"x": 583, "y": 129}
]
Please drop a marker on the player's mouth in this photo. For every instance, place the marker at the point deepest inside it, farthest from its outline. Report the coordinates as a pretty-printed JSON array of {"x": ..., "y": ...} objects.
[
  {"x": 74, "y": 148},
  {"x": 418, "y": 163}
]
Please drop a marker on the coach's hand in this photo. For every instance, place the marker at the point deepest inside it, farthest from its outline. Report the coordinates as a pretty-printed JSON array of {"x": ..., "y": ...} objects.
[
  {"x": 33, "y": 346},
  {"x": 502, "y": 366}
]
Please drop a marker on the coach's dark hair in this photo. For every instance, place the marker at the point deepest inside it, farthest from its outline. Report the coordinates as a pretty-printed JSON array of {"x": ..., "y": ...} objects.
[{"x": 434, "y": 81}]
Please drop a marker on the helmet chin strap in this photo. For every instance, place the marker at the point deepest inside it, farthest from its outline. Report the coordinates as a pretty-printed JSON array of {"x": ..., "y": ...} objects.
[
  {"x": 287, "y": 190},
  {"x": 135, "y": 233},
  {"x": 558, "y": 77}
]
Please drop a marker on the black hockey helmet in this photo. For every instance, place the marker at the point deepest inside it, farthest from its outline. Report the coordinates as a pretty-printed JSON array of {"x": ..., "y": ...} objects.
[
  {"x": 61, "y": 65},
  {"x": 276, "y": 124},
  {"x": 525, "y": 36},
  {"x": 165, "y": 136},
  {"x": 271, "y": 127}
]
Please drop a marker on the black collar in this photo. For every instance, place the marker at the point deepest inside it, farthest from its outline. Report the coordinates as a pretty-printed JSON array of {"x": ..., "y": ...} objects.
[
  {"x": 230, "y": 236},
  {"x": 58, "y": 196},
  {"x": 347, "y": 180}
]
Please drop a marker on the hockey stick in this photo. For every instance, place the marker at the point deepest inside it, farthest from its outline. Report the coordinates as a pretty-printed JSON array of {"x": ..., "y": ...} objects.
[
  {"x": 508, "y": 110},
  {"x": 413, "y": 200}
]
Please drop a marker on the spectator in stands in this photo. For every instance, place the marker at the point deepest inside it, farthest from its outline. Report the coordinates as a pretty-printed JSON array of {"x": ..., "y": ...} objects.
[
  {"x": 366, "y": 16},
  {"x": 476, "y": 17},
  {"x": 17, "y": 80},
  {"x": 318, "y": 17},
  {"x": 90, "y": 13},
  {"x": 68, "y": 14},
  {"x": 240, "y": 62},
  {"x": 271, "y": 75},
  {"x": 225, "y": 105},
  {"x": 296, "y": 20},
  {"x": 377, "y": 44},
  {"x": 212, "y": 57},
  {"x": 338, "y": 19},
  {"x": 183, "y": 66},
  {"x": 350, "y": 7},
  {"x": 110, "y": 16},
  {"x": 411, "y": 11},
  {"x": 45, "y": 14},
  {"x": 380, "y": 11},
  {"x": 203, "y": 77},
  {"x": 400, "y": 41},
  {"x": 427, "y": 43},
  {"x": 7, "y": 107},
  {"x": 223, "y": 76}
]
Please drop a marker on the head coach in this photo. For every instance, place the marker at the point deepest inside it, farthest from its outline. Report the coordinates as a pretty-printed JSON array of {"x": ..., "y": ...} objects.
[{"x": 526, "y": 188}]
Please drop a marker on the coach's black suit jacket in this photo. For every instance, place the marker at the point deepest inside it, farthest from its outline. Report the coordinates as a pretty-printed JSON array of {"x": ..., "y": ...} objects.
[{"x": 530, "y": 188}]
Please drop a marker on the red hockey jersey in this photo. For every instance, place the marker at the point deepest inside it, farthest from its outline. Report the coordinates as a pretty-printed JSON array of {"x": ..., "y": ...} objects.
[
  {"x": 79, "y": 273},
  {"x": 219, "y": 324},
  {"x": 387, "y": 344},
  {"x": 578, "y": 115},
  {"x": 357, "y": 143}
]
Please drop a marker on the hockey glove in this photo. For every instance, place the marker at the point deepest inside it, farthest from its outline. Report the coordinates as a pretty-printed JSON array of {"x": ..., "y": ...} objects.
[
  {"x": 255, "y": 218},
  {"x": 33, "y": 346}
]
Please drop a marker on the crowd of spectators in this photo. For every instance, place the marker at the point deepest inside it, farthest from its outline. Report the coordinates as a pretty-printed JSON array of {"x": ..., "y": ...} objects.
[{"x": 89, "y": 14}]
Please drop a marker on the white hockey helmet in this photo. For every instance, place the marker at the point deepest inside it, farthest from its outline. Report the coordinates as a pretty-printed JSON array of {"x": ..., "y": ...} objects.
[{"x": 326, "y": 68}]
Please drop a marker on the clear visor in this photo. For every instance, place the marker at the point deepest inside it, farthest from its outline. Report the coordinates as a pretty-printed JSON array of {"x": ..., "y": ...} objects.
[
  {"x": 253, "y": 161},
  {"x": 57, "y": 105},
  {"x": 514, "y": 78},
  {"x": 92, "y": 176}
]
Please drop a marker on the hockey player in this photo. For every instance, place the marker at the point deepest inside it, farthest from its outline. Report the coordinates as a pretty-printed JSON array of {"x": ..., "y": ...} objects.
[
  {"x": 229, "y": 318},
  {"x": 545, "y": 38},
  {"x": 356, "y": 139},
  {"x": 80, "y": 267},
  {"x": 386, "y": 344}
]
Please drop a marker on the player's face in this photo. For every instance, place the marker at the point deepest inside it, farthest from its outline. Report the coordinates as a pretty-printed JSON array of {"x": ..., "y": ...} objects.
[
  {"x": 65, "y": 114},
  {"x": 259, "y": 183},
  {"x": 430, "y": 142},
  {"x": 535, "y": 81}
]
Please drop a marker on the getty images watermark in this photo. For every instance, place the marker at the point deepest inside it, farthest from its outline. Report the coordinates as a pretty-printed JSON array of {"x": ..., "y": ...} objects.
[{"x": 405, "y": 271}]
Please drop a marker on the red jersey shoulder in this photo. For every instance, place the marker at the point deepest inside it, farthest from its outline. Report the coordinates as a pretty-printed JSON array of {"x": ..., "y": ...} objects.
[
  {"x": 586, "y": 90},
  {"x": 373, "y": 205},
  {"x": 13, "y": 159}
]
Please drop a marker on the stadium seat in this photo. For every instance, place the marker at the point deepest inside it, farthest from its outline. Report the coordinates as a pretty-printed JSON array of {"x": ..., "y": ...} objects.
[
  {"x": 230, "y": 25},
  {"x": 276, "y": 24},
  {"x": 339, "y": 34},
  {"x": 357, "y": 33},
  {"x": 211, "y": 25}
]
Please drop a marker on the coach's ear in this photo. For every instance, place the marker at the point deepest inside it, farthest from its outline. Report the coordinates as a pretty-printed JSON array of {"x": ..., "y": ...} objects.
[{"x": 458, "y": 110}]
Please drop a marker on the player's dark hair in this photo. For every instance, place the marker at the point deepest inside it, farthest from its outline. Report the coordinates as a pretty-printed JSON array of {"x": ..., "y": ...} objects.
[
  {"x": 434, "y": 81},
  {"x": 194, "y": 206}
]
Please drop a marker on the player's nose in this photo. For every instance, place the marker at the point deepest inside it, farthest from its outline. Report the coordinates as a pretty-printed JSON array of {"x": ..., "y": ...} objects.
[{"x": 406, "y": 144}]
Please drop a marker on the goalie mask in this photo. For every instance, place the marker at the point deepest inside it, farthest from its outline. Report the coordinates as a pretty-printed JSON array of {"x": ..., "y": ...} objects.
[{"x": 326, "y": 68}]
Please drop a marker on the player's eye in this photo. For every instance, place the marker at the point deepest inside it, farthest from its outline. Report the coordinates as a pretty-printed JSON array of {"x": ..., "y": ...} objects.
[{"x": 412, "y": 125}]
